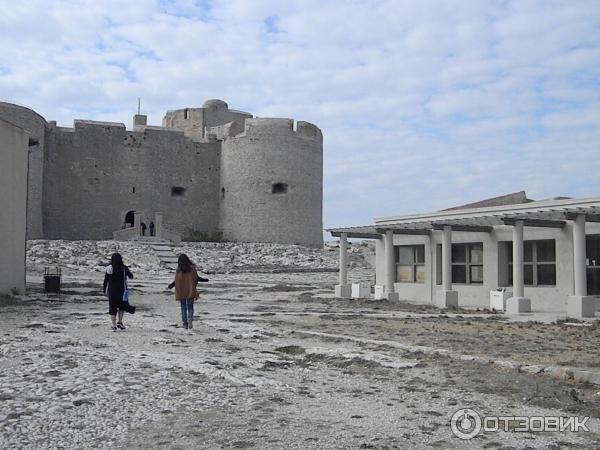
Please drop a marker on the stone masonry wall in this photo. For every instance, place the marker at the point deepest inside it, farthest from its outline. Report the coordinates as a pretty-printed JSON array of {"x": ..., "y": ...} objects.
[{"x": 106, "y": 171}]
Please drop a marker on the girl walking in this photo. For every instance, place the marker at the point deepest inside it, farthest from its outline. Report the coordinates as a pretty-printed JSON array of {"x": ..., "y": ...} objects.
[
  {"x": 185, "y": 282},
  {"x": 115, "y": 287}
]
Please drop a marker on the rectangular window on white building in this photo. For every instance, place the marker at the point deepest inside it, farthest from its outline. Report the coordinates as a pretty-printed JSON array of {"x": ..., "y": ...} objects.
[
  {"x": 539, "y": 262},
  {"x": 467, "y": 263},
  {"x": 410, "y": 264}
]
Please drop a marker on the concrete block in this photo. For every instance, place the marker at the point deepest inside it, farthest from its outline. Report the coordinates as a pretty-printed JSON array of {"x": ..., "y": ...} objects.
[
  {"x": 361, "y": 290},
  {"x": 446, "y": 299},
  {"x": 379, "y": 291},
  {"x": 581, "y": 306},
  {"x": 498, "y": 299},
  {"x": 518, "y": 305},
  {"x": 343, "y": 290}
]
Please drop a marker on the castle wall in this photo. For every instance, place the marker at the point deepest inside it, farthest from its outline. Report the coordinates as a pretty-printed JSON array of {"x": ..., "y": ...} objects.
[
  {"x": 193, "y": 121},
  {"x": 97, "y": 172},
  {"x": 210, "y": 169},
  {"x": 13, "y": 205},
  {"x": 34, "y": 124},
  {"x": 272, "y": 183}
]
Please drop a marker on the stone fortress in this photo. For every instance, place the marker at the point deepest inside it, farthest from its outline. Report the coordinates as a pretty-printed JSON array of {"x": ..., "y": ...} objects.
[{"x": 210, "y": 173}]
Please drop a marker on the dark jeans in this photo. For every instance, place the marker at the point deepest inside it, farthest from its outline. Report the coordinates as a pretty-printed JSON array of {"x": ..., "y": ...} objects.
[{"x": 187, "y": 310}]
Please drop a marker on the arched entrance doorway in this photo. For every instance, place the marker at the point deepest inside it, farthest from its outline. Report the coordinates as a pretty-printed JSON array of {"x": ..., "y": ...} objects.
[{"x": 129, "y": 219}]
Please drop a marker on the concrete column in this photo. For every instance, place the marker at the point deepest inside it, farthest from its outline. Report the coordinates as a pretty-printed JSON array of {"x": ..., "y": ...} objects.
[
  {"x": 390, "y": 267},
  {"x": 579, "y": 264},
  {"x": 518, "y": 303},
  {"x": 518, "y": 275},
  {"x": 343, "y": 270},
  {"x": 447, "y": 297},
  {"x": 580, "y": 305},
  {"x": 389, "y": 261},
  {"x": 447, "y": 258},
  {"x": 343, "y": 289},
  {"x": 379, "y": 268},
  {"x": 158, "y": 224}
]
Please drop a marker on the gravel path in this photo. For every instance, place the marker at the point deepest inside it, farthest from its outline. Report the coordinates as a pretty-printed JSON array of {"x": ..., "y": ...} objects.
[{"x": 244, "y": 378}]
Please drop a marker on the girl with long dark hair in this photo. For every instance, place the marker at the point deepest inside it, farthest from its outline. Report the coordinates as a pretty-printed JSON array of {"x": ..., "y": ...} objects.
[
  {"x": 115, "y": 287},
  {"x": 185, "y": 282}
]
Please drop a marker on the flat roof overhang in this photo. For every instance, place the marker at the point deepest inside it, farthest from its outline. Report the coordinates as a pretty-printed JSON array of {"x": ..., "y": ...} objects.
[
  {"x": 551, "y": 218},
  {"x": 366, "y": 232}
]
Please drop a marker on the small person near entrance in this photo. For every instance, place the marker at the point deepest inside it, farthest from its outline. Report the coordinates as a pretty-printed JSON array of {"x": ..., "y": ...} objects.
[
  {"x": 143, "y": 227},
  {"x": 151, "y": 228}
]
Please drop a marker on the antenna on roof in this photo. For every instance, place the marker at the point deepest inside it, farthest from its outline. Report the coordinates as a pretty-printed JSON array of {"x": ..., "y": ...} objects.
[{"x": 138, "y": 106}]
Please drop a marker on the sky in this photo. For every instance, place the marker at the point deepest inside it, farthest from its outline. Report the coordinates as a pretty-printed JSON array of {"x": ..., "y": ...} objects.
[{"x": 423, "y": 104}]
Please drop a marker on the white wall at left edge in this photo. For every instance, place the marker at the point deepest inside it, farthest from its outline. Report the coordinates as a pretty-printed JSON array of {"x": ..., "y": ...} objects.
[{"x": 13, "y": 206}]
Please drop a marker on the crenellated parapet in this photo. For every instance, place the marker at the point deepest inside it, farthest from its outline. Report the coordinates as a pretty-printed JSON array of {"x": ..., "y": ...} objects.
[
  {"x": 309, "y": 130},
  {"x": 226, "y": 131},
  {"x": 267, "y": 126},
  {"x": 79, "y": 123}
]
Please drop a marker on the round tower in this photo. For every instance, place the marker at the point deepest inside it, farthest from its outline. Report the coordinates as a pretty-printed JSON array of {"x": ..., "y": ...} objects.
[
  {"x": 272, "y": 183},
  {"x": 35, "y": 125}
]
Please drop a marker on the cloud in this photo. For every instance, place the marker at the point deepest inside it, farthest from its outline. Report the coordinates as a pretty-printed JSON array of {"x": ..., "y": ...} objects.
[{"x": 423, "y": 104}]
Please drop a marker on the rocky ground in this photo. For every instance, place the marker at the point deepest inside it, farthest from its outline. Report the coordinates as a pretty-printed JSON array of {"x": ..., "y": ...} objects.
[
  {"x": 273, "y": 361},
  {"x": 76, "y": 257}
]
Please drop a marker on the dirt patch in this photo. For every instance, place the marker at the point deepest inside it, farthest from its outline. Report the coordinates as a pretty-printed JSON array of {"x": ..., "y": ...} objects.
[{"x": 524, "y": 343}]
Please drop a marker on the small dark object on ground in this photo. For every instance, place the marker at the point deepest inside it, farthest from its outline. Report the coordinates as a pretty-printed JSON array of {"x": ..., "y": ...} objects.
[{"x": 52, "y": 281}]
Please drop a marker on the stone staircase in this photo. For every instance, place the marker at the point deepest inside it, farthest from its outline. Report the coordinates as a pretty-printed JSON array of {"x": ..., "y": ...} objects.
[{"x": 162, "y": 248}]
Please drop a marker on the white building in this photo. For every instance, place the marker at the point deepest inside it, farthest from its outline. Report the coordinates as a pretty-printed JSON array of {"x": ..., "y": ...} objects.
[{"x": 546, "y": 253}]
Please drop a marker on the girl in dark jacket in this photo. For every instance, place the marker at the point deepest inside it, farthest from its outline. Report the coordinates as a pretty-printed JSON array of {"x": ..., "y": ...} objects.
[{"x": 115, "y": 287}]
